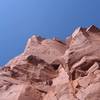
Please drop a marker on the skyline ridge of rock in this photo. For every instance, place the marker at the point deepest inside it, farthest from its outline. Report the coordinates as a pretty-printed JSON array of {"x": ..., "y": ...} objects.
[{"x": 50, "y": 69}]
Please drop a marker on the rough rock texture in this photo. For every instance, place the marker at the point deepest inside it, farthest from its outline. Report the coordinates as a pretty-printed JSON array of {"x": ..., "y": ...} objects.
[{"x": 50, "y": 69}]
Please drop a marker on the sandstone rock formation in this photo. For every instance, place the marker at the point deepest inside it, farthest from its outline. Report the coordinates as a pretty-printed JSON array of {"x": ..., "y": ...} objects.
[{"x": 50, "y": 69}]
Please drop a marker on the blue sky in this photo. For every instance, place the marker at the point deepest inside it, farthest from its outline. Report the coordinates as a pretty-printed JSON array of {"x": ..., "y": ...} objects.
[{"x": 20, "y": 19}]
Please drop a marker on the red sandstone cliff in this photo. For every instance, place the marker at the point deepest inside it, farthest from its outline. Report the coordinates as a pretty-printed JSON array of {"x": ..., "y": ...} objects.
[{"x": 53, "y": 70}]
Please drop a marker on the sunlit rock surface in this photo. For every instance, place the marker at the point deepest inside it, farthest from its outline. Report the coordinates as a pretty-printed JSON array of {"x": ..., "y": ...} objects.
[{"x": 49, "y": 69}]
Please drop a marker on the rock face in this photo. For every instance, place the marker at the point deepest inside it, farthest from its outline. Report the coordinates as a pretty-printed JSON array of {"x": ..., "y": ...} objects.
[{"x": 49, "y": 69}]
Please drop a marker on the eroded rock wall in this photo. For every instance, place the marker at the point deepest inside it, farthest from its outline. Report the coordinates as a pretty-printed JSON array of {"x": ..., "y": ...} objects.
[{"x": 50, "y": 69}]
